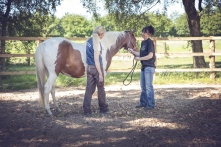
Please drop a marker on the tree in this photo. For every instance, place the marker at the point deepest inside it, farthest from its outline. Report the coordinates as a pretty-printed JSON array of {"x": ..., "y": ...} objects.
[
  {"x": 11, "y": 8},
  {"x": 121, "y": 8}
]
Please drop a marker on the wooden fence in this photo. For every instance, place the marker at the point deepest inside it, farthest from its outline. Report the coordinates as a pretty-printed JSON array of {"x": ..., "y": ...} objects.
[{"x": 211, "y": 54}]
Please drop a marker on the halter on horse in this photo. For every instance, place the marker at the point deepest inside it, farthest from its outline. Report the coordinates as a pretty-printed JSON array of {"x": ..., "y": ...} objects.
[{"x": 59, "y": 55}]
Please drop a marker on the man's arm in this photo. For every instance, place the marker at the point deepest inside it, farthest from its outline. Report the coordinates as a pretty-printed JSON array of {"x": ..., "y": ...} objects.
[{"x": 97, "y": 64}]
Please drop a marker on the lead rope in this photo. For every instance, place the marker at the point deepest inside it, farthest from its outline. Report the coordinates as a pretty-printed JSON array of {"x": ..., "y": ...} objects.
[
  {"x": 133, "y": 68},
  {"x": 132, "y": 71}
]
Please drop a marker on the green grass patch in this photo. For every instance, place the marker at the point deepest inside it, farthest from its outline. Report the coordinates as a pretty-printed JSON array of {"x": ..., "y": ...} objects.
[
  {"x": 19, "y": 67},
  {"x": 186, "y": 78},
  {"x": 17, "y": 82}
]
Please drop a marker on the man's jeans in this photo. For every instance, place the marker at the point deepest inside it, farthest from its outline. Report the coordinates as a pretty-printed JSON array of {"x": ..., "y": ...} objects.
[{"x": 147, "y": 93}]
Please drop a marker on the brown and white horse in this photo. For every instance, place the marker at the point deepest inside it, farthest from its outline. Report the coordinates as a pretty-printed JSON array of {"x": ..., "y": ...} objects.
[{"x": 59, "y": 55}]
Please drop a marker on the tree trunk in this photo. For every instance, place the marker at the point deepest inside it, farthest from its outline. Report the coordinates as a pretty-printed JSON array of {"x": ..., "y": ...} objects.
[
  {"x": 193, "y": 19},
  {"x": 4, "y": 26}
]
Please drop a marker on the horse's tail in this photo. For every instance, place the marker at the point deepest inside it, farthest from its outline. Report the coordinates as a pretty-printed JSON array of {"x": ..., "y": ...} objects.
[{"x": 40, "y": 70}]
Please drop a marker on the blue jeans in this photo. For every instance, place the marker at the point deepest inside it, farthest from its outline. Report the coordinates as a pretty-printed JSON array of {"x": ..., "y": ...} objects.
[{"x": 147, "y": 93}]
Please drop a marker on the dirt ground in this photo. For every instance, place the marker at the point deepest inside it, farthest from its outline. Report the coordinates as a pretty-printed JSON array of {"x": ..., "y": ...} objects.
[{"x": 185, "y": 116}]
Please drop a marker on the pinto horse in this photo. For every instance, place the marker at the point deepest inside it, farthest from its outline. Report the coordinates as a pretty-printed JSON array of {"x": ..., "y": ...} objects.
[{"x": 59, "y": 55}]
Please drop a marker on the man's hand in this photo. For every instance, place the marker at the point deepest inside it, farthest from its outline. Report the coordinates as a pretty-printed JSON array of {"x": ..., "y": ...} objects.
[{"x": 101, "y": 78}]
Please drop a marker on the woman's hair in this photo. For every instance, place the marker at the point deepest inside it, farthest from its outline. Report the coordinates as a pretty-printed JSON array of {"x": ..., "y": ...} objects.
[
  {"x": 150, "y": 29},
  {"x": 97, "y": 31}
]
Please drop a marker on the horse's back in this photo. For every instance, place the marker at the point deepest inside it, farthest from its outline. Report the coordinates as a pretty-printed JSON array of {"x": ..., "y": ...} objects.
[{"x": 62, "y": 55}]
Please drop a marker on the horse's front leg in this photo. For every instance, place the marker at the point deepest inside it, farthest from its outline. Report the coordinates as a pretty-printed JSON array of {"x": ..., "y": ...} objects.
[{"x": 54, "y": 99}]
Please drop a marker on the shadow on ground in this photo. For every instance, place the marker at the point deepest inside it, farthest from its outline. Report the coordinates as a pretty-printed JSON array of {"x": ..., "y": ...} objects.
[{"x": 183, "y": 117}]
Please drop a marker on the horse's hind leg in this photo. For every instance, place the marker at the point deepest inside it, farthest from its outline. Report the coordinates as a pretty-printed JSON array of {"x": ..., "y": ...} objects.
[
  {"x": 47, "y": 89},
  {"x": 54, "y": 99}
]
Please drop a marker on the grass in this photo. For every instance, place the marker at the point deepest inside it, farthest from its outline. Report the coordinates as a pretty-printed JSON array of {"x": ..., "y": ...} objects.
[
  {"x": 17, "y": 82},
  {"x": 19, "y": 67}
]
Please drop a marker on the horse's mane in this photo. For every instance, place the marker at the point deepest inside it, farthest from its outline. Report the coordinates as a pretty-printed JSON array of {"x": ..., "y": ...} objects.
[{"x": 110, "y": 38}]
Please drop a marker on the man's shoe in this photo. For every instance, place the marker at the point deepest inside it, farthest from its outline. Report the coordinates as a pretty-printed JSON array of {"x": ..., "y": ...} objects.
[
  {"x": 147, "y": 108},
  {"x": 139, "y": 106},
  {"x": 106, "y": 112}
]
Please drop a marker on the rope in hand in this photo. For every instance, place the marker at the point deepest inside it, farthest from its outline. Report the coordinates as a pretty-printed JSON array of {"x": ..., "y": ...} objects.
[{"x": 132, "y": 71}]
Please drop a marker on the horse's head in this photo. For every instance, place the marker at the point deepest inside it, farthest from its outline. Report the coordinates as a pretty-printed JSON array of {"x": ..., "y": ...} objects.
[{"x": 130, "y": 40}]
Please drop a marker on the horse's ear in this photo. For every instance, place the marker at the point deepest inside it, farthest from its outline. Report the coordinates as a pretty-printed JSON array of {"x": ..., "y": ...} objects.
[{"x": 133, "y": 31}]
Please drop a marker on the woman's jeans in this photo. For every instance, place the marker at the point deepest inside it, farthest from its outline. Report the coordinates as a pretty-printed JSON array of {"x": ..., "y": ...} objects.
[{"x": 147, "y": 93}]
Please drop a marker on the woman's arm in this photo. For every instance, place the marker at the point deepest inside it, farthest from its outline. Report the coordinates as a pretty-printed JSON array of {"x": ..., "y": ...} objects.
[
  {"x": 97, "y": 64},
  {"x": 137, "y": 54},
  {"x": 147, "y": 57}
]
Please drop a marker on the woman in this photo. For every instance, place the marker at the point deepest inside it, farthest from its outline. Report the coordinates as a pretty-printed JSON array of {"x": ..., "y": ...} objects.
[
  {"x": 95, "y": 72},
  {"x": 147, "y": 58}
]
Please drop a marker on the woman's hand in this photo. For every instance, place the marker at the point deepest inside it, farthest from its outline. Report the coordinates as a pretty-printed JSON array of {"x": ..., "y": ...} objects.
[{"x": 130, "y": 50}]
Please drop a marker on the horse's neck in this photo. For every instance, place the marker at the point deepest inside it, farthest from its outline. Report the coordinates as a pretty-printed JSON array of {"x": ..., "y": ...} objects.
[
  {"x": 115, "y": 42},
  {"x": 115, "y": 49},
  {"x": 112, "y": 44}
]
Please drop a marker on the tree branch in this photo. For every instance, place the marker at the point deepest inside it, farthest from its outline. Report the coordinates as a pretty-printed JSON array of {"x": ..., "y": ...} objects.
[
  {"x": 200, "y": 5},
  {"x": 150, "y": 8},
  {"x": 7, "y": 11},
  {"x": 201, "y": 12}
]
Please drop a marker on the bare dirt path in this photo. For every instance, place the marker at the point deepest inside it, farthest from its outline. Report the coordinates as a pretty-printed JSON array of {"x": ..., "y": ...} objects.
[{"x": 185, "y": 115}]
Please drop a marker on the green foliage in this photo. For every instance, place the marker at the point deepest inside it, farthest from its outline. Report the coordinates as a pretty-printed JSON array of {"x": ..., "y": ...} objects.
[
  {"x": 105, "y": 21},
  {"x": 53, "y": 27},
  {"x": 181, "y": 26},
  {"x": 130, "y": 14},
  {"x": 20, "y": 47},
  {"x": 76, "y": 26},
  {"x": 211, "y": 23},
  {"x": 26, "y": 16},
  {"x": 162, "y": 24}
]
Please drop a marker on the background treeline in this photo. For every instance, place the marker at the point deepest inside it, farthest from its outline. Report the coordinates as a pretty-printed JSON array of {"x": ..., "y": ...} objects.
[{"x": 72, "y": 25}]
